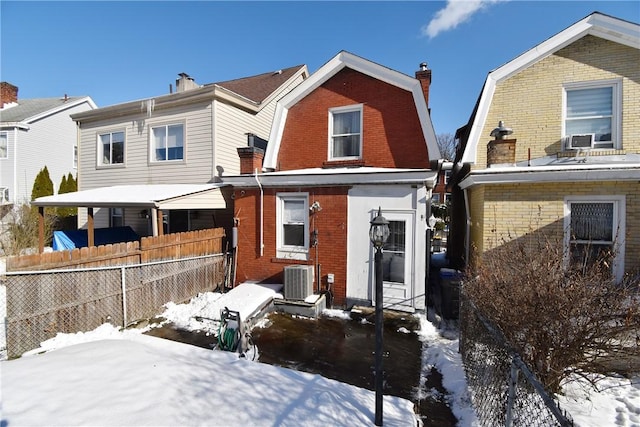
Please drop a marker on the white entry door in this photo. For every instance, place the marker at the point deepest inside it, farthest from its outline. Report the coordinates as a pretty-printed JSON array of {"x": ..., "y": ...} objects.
[{"x": 398, "y": 262}]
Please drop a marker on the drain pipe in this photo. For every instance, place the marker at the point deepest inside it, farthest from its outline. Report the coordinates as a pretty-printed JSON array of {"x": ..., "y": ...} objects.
[
  {"x": 467, "y": 238},
  {"x": 261, "y": 213}
]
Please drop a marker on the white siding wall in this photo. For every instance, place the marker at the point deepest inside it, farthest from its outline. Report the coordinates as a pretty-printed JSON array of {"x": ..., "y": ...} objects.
[
  {"x": 137, "y": 169},
  {"x": 364, "y": 201},
  {"x": 232, "y": 125},
  {"x": 7, "y": 165},
  {"x": 49, "y": 142}
]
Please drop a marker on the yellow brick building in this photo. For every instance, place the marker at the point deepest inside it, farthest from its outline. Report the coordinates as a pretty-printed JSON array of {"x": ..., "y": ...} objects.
[{"x": 566, "y": 158}]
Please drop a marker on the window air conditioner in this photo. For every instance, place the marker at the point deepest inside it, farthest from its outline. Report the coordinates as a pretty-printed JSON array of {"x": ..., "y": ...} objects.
[
  {"x": 581, "y": 141},
  {"x": 298, "y": 282}
]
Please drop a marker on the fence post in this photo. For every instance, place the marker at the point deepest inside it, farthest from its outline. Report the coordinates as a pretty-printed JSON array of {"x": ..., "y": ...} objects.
[
  {"x": 513, "y": 384},
  {"x": 124, "y": 296}
]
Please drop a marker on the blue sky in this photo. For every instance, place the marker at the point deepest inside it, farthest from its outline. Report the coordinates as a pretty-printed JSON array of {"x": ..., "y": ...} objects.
[{"x": 122, "y": 51}]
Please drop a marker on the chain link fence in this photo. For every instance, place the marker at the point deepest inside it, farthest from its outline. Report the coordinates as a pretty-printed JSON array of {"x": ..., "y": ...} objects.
[
  {"x": 504, "y": 391},
  {"x": 41, "y": 304}
]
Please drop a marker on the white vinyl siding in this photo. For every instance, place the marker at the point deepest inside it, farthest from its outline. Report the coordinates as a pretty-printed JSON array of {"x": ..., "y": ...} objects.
[{"x": 48, "y": 142}]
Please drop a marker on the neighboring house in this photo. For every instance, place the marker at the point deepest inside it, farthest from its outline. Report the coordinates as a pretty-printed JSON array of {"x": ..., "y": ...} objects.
[
  {"x": 566, "y": 160},
  {"x": 146, "y": 163},
  {"x": 353, "y": 137},
  {"x": 35, "y": 133}
]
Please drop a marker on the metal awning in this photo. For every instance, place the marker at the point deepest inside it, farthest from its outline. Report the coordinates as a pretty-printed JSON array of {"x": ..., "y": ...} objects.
[{"x": 158, "y": 196}]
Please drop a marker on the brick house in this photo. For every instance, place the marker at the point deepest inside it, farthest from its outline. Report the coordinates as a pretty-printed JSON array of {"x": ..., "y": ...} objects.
[
  {"x": 553, "y": 146},
  {"x": 353, "y": 137}
]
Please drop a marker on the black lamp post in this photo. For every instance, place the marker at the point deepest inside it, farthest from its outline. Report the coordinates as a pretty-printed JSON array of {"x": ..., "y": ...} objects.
[{"x": 378, "y": 233}]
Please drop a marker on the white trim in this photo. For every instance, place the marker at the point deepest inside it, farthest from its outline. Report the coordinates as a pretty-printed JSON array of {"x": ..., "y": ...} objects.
[
  {"x": 330, "y": 134},
  {"x": 291, "y": 252},
  {"x": 620, "y": 172},
  {"x": 151, "y": 143},
  {"x": 348, "y": 60},
  {"x": 596, "y": 24},
  {"x": 616, "y": 107},
  {"x": 100, "y": 153},
  {"x": 619, "y": 227}
]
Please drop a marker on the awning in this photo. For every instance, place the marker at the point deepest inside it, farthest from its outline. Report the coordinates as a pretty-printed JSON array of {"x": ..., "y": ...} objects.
[{"x": 159, "y": 196}]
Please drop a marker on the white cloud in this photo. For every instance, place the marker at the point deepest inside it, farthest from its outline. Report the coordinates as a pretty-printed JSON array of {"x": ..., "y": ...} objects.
[{"x": 456, "y": 12}]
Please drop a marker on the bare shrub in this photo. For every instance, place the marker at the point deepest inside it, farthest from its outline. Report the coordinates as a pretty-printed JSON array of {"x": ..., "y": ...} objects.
[
  {"x": 21, "y": 231},
  {"x": 562, "y": 321}
]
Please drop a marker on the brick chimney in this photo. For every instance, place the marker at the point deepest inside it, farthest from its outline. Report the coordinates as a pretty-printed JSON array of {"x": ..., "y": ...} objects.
[
  {"x": 424, "y": 75},
  {"x": 8, "y": 93},
  {"x": 250, "y": 159},
  {"x": 501, "y": 151}
]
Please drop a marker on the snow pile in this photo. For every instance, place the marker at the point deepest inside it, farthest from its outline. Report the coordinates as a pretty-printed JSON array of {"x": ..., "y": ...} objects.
[{"x": 139, "y": 380}]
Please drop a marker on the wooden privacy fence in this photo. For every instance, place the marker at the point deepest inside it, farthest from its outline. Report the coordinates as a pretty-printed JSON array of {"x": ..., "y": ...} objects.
[
  {"x": 79, "y": 290},
  {"x": 169, "y": 246}
]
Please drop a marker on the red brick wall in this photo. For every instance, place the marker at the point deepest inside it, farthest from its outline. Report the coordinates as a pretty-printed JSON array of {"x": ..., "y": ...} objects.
[
  {"x": 392, "y": 135},
  {"x": 332, "y": 237}
]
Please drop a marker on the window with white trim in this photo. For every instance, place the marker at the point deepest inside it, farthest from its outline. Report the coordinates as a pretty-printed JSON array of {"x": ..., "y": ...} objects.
[
  {"x": 593, "y": 108},
  {"x": 594, "y": 228},
  {"x": 4, "y": 195},
  {"x": 435, "y": 198},
  {"x": 116, "y": 217},
  {"x": 75, "y": 156},
  {"x": 292, "y": 236},
  {"x": 4, "y": 145},
  {"x": 394, "y": 254},
  {"x": 111, "y": 148},
  {"x": 167, "y": 143},
  {"x": 345, "y": 133}
]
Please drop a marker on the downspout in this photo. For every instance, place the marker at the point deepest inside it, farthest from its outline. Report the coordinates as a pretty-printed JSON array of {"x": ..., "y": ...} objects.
[
  {"x": 261, "y": 213},
  {"x": 467, "y": 237},
  {"x": 15, "y": 167}
]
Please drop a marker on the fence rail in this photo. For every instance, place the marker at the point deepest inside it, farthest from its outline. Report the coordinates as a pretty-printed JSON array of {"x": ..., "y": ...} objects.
[
  {"x": 504, "y": 391},
  {"x": 42, "y": 303}
]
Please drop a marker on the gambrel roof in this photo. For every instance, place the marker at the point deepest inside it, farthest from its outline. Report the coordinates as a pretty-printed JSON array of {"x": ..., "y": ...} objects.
[
  {"x": 337, "y": 63},
  {"x": 596, "y": 24}
]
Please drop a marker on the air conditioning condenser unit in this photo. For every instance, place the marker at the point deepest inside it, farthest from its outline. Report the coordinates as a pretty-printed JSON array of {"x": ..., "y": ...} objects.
[{"x": 298, "y": 282}]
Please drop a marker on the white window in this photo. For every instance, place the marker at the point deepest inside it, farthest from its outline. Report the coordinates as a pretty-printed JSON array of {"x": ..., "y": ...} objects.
[
  {"x": 167, "y": 143},
  {"x": 345, "y": 133},
  {"x": 593, "y": 108},
  {"x": 116, "y": 217},
  {"x": 435, "y": 198},
  {"x": 393, "y": 256},
  {"x": 4, "y": 195},
  {"x": 292, "y": 236},
  {"x": 75, "y": 156},
  {"x": 447, "y": 197},
  {"x": 111, "y": 148},
  {"x": 594, "y": 231},
  {"x": 447, "y": 176},
  {"x": 4, "y": 145}
]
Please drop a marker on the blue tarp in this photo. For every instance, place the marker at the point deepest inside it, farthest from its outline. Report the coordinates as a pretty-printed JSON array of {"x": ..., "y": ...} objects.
[{"x": 71, "y": 239}]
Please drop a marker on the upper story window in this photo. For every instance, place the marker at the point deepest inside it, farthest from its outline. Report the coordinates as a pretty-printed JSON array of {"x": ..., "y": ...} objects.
[
  {"x": 75, "y": 156},
  {"x": 111, "y": 148},
  {"x": 292, "y": 237},
  {"x": 345, "y": 133},
  {"x": 593, "y": 110},
  {"x": 435, "y": 198},
  {"x": 4, "y": 145},
  {"x": 167, "y": 143}
]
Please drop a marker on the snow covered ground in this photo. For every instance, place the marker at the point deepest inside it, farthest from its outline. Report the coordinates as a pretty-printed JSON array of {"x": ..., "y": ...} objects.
[{"x": 110, "y": 377}]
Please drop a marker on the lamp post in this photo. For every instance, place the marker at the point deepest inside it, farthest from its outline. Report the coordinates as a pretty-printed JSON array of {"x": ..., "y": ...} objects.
[
  {"x": 431, "y": 223},
  {"x": 378, "y": 234}
]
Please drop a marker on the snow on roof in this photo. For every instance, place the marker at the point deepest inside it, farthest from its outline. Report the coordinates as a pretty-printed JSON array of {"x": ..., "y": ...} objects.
[{"x": 130, "y": 195}]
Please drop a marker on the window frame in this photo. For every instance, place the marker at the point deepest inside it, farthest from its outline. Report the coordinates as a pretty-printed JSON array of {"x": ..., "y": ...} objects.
[
  {"x": 331, "y": 135},
  {"x": 6, "y": 147},
  {"x": 289, "y": 251},
  {"x": 616, "y": 110},
  {"x": 100, "y": 149},
  {"x": 113, "y": 213},
  {"x": 618, "y": 229},
  {"x": 152, "y": 150}
]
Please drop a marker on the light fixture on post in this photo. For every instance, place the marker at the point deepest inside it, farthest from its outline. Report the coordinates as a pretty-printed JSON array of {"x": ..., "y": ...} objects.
[{"x": 378, "y": 234}]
